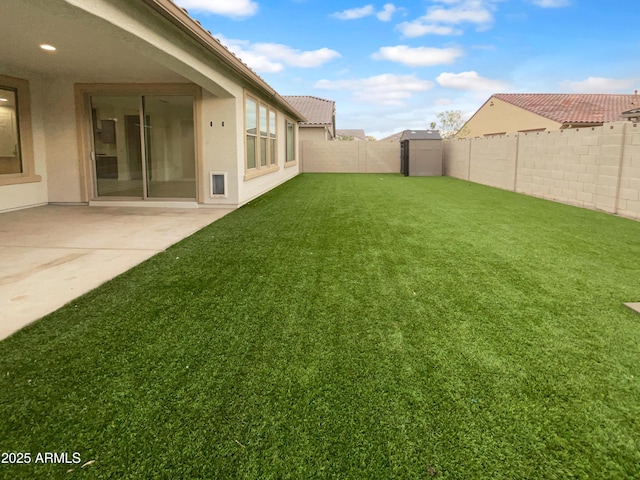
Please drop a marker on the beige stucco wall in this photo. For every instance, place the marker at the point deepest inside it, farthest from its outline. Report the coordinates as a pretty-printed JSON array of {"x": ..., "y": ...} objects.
[
  {"x": 351, "y": 157},
  {"x": 594, "y": 167},
  {"x": 61, "y": 163},
  {"x": 318, "y": 134},
  {"x": 219, "y": 145},
  {"x": 503, "y": 117}
]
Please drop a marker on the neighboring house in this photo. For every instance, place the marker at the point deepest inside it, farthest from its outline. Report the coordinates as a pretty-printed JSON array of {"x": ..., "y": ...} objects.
[
  {"x": 530, "y": 112},
  {"x": 137, "y": 105},
  {"x": 632, "y": 115},
  {"x": 320, "y": 116},
  {"x": 356, "y": 135}
]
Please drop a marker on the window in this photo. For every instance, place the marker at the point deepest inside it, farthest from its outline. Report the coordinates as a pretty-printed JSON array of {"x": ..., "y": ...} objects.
[
  {"x": 10, "y": 156},
  {"x": 263, "y": 135},
  {"x": 291, "y": 152},
  {"x": 261, "y": 123},
  {"x": 272, "y": 137},
  {"x": 251, "y": 121},
  {"x": 16, "y": 153}
]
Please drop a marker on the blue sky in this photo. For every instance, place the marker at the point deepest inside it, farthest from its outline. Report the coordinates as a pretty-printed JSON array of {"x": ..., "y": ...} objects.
[{"x": 391, "y": 66}]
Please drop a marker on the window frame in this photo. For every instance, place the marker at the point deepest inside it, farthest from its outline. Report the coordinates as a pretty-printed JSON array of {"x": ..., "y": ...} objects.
[
  {"x": 266, "y": 139},
  {"x": 25, "y": 132},
  {"x": 294, "y": 160},
  {"x": 272, "y": 142},
  {"x": 255, "y": 136}
]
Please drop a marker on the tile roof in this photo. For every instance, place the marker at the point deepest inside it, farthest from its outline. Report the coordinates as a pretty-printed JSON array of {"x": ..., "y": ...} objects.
[
  {"x": 359, "y": 134},
  {"x": 573, "y": 107},
  {"x": 318, "y": 111}
]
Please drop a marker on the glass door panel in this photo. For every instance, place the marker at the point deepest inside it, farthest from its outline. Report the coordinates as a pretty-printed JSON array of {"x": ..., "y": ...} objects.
[
  {"x": 169, "y": 146},
  {"x": 117, "y": 146}
]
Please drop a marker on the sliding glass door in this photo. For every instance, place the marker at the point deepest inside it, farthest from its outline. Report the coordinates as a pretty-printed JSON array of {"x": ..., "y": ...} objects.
[{"x": 144, "y": 146}]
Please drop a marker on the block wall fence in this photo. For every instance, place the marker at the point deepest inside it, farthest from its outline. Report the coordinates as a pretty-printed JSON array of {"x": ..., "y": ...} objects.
[
  {"x": 596, "y": 168},
  {"x": 350, "y": 157}
]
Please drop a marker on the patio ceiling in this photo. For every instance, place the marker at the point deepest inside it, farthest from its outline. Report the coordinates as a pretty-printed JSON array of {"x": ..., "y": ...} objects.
[{"x": 89, "y": 49}]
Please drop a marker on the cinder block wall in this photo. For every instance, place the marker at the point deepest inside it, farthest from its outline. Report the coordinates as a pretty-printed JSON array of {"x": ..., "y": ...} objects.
[
  {"x": 493, "y": 161},
  {"x": 456, "y": 158},
  {"x": 350, "y": 157},
  {"x": 597, "y": 168},
  {"x": 629, "y": 191}
]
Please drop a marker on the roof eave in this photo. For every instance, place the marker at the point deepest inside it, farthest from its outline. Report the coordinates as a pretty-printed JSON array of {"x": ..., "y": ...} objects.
[{"x": 178, "y": 16}]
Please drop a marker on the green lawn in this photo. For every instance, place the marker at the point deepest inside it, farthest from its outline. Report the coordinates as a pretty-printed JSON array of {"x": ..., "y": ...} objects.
[{"x": 348, "y": 326}]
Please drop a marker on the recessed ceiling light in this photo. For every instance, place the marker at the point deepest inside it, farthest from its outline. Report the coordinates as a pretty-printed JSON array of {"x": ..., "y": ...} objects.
[
  {"x": 47, "y": 47},
  {"x": 4, "y": 100}
]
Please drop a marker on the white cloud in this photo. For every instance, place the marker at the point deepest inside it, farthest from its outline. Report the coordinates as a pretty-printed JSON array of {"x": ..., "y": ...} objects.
[
  {"x": 387, "y": 12},
  {"x": 419, "y": 56},
  {"x": 439, "y": 19},
  {"x": 383, "y": 15},
  {"x": 386, "y": 89},
  {"x": 470, "y": 81},
  {"x": 601, "y": 85},
  {"x": 274, "y": 57},
  {"x": 353, "y": 13},
  {"x": 551, "y": 3},
  {"x": 293, "y": 57},
  {"x": 419, "y": 29},
  {"x": 235, "y": 9},
  {"x": 466, "y": 11}
]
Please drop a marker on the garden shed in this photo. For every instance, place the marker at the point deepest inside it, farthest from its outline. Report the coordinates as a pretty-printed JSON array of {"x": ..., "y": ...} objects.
[{"x": 421, "y": 153}]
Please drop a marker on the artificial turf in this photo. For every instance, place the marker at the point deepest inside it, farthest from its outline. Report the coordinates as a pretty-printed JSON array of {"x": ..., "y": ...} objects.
[{"x": 347, "y": 326}]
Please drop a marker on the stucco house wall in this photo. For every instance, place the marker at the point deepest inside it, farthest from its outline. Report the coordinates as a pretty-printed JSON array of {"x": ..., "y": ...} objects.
[
  {"x": 144, "y": 50},
  {"x": 318, "y": 134},
  {"x": 499, "y": 117}
]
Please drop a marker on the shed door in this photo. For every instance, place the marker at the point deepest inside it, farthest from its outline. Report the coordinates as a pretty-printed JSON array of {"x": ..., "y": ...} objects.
[{"x": 404, "y": 157}]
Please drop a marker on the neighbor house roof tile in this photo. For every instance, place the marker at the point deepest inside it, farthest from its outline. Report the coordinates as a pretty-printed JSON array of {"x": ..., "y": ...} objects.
[
  {"x": 318, "y": 111},
  {"x": 573, "y": 107},
  {"x": 355, "y": 133}
]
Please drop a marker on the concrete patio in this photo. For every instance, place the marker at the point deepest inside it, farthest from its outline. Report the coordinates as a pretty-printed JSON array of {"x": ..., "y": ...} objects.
[{"x": 52, "y": 254}]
